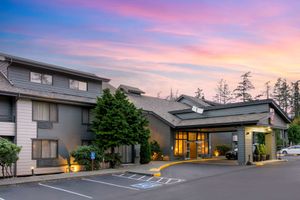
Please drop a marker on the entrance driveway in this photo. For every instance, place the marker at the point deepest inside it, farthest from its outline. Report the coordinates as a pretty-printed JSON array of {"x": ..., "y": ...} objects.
[{"x": 190, "y": 171}]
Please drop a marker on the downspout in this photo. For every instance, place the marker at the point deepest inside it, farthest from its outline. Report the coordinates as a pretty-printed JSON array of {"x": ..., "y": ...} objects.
[{"x": 15, "y": 139}]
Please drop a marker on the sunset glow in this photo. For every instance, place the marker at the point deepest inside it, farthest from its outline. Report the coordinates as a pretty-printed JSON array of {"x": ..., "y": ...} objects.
[{"x": 159, "y": 45}]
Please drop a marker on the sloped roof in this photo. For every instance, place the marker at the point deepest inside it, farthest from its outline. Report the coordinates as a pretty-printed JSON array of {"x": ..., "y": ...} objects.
[
  {"x": 7, "y": 88},
  {"x": 157, "y": 106},
  {"x": 198, "y": 102},
  {"x": 41, "y": 65},
  {"x": 225, "y": 120}
]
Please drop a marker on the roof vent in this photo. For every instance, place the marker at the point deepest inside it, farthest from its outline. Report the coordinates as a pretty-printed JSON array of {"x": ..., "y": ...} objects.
[{"x": 130, "y": 90}]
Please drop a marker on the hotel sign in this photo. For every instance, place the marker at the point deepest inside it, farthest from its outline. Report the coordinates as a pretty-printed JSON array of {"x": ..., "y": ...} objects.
[{"x": 197, "y": 110}]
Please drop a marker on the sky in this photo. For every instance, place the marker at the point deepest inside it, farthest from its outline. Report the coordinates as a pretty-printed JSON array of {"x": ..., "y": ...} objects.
[{"x": 159, "y": 45}]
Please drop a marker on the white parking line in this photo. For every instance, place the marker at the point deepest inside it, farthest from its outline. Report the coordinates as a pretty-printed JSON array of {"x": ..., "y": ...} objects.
[
  {"x": 159, "y": 180},
  {"x": 132, "y": 176},
  {"x": 68, "y": 191},
  {"x": 141, "y": 178},
  {"x": 111, "y": 184},
  {"x": 150, "y": 178},
  {"x": 1, "y": 198},
  {"x": 168, "y": 181}
]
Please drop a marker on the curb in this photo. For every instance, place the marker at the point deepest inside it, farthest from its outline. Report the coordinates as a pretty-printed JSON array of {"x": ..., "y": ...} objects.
[{"x": 54, "y": 177}]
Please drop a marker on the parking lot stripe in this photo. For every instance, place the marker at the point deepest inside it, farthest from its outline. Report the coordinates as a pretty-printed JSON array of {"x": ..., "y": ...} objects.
[
  {"x": 159, "y": 180},
  {"x": 150, "y": 178},
  {"x": 141, "y": 178},
  {"x": 68, "y": 191},
  {"x": 111, "y": 184},
  {"x": 168, "y": 181},
  {"x": 1, "y": 198},
  {"x": 132, "y": 176}
]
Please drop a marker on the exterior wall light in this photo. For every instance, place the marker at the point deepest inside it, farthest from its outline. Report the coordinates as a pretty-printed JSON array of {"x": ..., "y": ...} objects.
[{"x": 32, "y": 171}]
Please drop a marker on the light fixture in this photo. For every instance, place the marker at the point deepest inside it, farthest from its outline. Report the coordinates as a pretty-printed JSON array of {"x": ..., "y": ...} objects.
[{"x": 32, "y": 171}]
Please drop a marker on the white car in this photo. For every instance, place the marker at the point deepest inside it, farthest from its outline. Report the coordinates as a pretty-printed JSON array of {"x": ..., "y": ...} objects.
[{"x": 291, "y": 150}]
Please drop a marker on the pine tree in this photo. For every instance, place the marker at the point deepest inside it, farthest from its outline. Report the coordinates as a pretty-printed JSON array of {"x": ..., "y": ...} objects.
[
  {"x": 199, "y": 94},
  {"x": 295, "y": 100},
  {"x": 118, "y": 122},
  {"x": 243, "y": 88},
  {"x": 223, "y": 92},
  {"x": 282, "y": 94}
]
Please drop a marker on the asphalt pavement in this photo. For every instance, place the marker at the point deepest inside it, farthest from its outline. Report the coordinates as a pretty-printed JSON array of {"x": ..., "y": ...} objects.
[{"x": 184, "y": 181}]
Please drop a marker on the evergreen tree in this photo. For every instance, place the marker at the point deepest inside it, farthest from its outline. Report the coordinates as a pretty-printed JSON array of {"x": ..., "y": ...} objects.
[
  {"x": 199, "y": 94},
  {"x": 223, "y": 92},
  {"x": 267, "y": 91},
  {"x": 282, "y": 94},
  {"x": 295, "y": 100},
  {"x": 243, "y": 88},
  {"x": 118, "y": 122}
]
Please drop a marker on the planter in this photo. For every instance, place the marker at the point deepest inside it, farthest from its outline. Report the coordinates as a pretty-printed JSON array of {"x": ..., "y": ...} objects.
[
  {"x": 255, "y": 157},
  {"x": 268, "y": 157},
  {"x": 263, "y": 157}
]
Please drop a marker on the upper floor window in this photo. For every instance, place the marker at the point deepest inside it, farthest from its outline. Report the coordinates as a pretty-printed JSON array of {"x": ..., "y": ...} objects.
[
  {"x": 43, "y": 111},
  {"x": 40, "y": 78},
  {"x": 78, "y": 85}
]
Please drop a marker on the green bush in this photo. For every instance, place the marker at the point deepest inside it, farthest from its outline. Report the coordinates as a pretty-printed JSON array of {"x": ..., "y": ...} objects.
[
  {"x": 145, "y": 153},
  {"x": 156, "y": 153},
  {"x": 8, "y": 156},
  {"x": 262, "y": 149},
  {"x": 222, "y": 149},
  {"x": 114, "y": 159},
  {"x": 82, "y": 156}
]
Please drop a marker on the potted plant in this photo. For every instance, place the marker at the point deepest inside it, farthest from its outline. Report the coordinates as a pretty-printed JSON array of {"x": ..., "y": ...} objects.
[{"x": 263, "y": 152}]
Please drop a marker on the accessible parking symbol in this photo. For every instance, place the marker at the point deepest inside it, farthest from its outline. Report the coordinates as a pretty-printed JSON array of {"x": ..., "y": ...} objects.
[{"x": 146, "y": 185}]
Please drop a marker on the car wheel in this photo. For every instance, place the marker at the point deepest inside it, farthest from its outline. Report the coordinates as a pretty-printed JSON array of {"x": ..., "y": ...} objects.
[{"x": 284, "y": 152}]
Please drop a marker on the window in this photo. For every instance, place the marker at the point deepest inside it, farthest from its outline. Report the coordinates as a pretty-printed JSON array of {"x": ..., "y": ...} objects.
[
  {"x": 87, "y": 116},
  {"x": 44, "y": 149},
  {"x": 43, "y": 111},
  {"x": 78, "y": 85},
  {"x": 40, "y": 78}
]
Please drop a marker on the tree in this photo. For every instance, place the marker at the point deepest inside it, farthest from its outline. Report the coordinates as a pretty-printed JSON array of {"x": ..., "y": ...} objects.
[
  {"x": 199, "y": 94},
  {"x": 118, "y": 122},
  {"x": 8, "y": 156},
  {"x": 243, "y": 88},
  {"x": 223, "y": 92},
  {"x": 294, "y": 134},
  {"x": 295, "y": 99},
  {"x": 172, "y": 96},
  {"x": 282, "y": 94},
  {"x": 145, "y": 153},
  {"x": 267, "y": 89}
]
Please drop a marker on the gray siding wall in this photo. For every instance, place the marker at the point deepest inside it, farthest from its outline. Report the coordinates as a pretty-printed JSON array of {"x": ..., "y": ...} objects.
[
  {"x": 160, "y": 132},
  {"x": 21, "y": 78},
  {"x": 69, "y": 131},
  {"x": 228, "y": 111}
]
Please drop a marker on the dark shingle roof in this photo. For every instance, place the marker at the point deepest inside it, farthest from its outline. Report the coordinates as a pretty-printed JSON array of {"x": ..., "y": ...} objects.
[{"x": 41, "y": 65}]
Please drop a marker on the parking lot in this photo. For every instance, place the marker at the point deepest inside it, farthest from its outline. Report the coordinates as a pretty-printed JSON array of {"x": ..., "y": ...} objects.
[
  {"x": 176, "y": 180},
  {"x": 109, "y": 186}
]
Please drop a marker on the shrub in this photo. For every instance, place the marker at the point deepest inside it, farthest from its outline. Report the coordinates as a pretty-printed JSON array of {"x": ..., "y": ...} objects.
[
  {"x": 8, "y": 155},
  {"x": 114, "y": 159},
  {"x": 156, "y": 153},
  {"x": 262, "y": 149},
  {"x": 222, "y": 149},
  {"x": 82, "y": 156},
  {"x": 145, "y": 153}
]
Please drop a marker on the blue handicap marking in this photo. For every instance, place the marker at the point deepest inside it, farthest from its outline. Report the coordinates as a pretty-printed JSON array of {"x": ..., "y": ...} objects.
[
  {"x": 93, "y": 155},
  {"x": 146, "y": 185}
]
